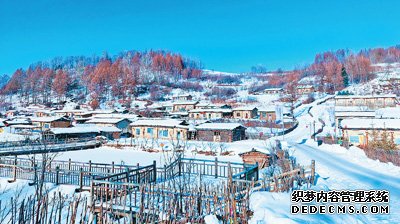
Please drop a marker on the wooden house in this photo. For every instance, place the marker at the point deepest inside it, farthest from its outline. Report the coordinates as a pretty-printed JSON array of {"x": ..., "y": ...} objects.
[
  {"x": 184, "y": 106},
  {"x": 245, "y": 112},
  {"x": 267, "y": 114},
  {"x": 71, "y": 133},
  {"x": 120, "y": 123},
  {"x": 210, "y": 113},
  {"x": 68, "y": 113},
  {"x": 369, "y": 101},
  {"x": 44, "y": 113},
  {"x": 358, "y": 130},
  {"x": 182, "y": 97},
  {"x": 273, "y": 91},
  {"x": 170, "y": 129},
  {"x": 305, "y": 89},
  {"x": 9, "y": 123},
  {"x": 44, "y": 123},
  {"x": 255, "y": 156},
  {"x": 341, "y": 115},
  {"x": 220, "y": 132}
]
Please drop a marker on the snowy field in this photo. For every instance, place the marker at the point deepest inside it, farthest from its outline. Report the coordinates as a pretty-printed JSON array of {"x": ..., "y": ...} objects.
[{"x": 336, "y": 168}]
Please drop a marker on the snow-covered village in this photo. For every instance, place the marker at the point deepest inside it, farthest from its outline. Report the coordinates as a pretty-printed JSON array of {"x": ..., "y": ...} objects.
[{"x": 139, "y": 126}]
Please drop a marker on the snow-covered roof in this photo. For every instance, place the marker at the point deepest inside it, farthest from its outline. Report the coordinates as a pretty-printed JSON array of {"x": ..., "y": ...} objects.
[
  {"x": 102, "y": 111},
  {"x": 354, "y": 114},
  {"x": 185, "y": 103},
  {"x": 181, "y": 113},
  {"x": 17, "y": 121},
  {"x": 256, "y": 149},
  {"x": 351, "y": 108},
  {"x": 205, "y": 104},
  {"x": 105, "y": 120},
  {"x": 389, "y": 112},
  {"x": 273, "y": 89},
  {"x": 46, "y": 119},
  {"x": 115, "y": 115},
  {"x": 216, "y": 110},
  {"x": 182, "y": 95},
  {"x": 24, "y": 126},
  {"x": 370, "y": 123},
  {"x": 75, "y": 130},
  {"x": 244, "y": 108},
  {"x": 305, "y": 87},
  {"x": 108, "y": 129},
  {"x": 99, "y": 128},
  {"x": 365, "y": 96},
  {"x": 158, "y": 122},
  {"x": 69, "y": 111},
  {"x": 267, "y": 109},
  {"x": 218, "y": 126}
]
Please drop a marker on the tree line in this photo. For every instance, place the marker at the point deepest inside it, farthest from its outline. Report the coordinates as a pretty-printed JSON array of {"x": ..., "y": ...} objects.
[
  {"x": 99, "y": 79},
  {"x": 335, "y": 70}
]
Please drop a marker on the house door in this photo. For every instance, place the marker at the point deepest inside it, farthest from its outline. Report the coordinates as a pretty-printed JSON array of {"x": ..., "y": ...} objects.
[{"x": 217, "y": 136}]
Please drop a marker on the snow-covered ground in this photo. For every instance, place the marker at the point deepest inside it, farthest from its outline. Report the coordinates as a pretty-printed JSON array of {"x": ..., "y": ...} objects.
[{"x": 336, "y": 168}]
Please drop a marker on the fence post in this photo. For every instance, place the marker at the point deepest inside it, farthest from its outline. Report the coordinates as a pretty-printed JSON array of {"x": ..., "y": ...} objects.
[
  {"x": 257, "y": 172},
  {"x": 127, "y": 174},
  {"x": 90, "y": 167},
  {"x": 165, "y": 172},
  {"x": 81, "y": 178},
  {"x": 179, "y": 166},
  {"x": 112, "y": 167},
  {"x": 69, "y": 164},
  {"x": 15, "y": 168},
  {"x": 216, "y": 167},
  {"x": 154, "y": 171},
  {"x": 312, "y": 171},
  {"x": 57, "y": 174},
  {"x": 138, "y": 173}
]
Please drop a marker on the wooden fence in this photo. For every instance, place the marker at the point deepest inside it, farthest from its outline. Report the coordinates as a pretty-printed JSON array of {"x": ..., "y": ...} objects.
[
  {"x": 212, "y": 168},
  {"x": 51, "y": 147},
  {"x": 60, "y": 172}
]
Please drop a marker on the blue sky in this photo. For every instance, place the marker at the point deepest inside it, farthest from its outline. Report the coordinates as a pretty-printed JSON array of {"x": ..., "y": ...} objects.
[{"x": 224, "y": 35}]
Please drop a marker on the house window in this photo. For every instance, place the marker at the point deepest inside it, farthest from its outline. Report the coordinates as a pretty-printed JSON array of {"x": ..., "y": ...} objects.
[
  {"x": 149, "y": 130},
  {"x": 354, "y": 139},
  {"x": 165, "y": 133},
  {"x": 46, "y": 125},
  {"x": 138, "y": 131},
  {"x": 238, "y": 114},
  {"x": 217, "y": 133}
]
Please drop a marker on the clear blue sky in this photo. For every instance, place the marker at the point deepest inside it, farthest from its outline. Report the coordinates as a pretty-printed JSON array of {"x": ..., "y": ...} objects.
[{"x": 224, "y": 35}]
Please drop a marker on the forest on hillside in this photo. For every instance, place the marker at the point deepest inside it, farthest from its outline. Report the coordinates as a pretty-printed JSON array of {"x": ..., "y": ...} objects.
[
  {"x": 98, "y": 79},
  {"x": 123, "y": 77}
]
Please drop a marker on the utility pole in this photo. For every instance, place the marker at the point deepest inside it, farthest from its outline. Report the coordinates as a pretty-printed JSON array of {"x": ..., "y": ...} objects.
[{"x": 314, "y": 131}]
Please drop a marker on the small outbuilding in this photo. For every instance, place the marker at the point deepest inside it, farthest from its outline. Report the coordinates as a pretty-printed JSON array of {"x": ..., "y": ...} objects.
[
  {"x": 255, "y": 156},
  {"x": 220, "y": 132}
]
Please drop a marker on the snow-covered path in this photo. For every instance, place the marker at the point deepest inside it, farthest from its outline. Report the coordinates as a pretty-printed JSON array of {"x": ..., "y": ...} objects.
[{"x": 338, "y": 168}]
